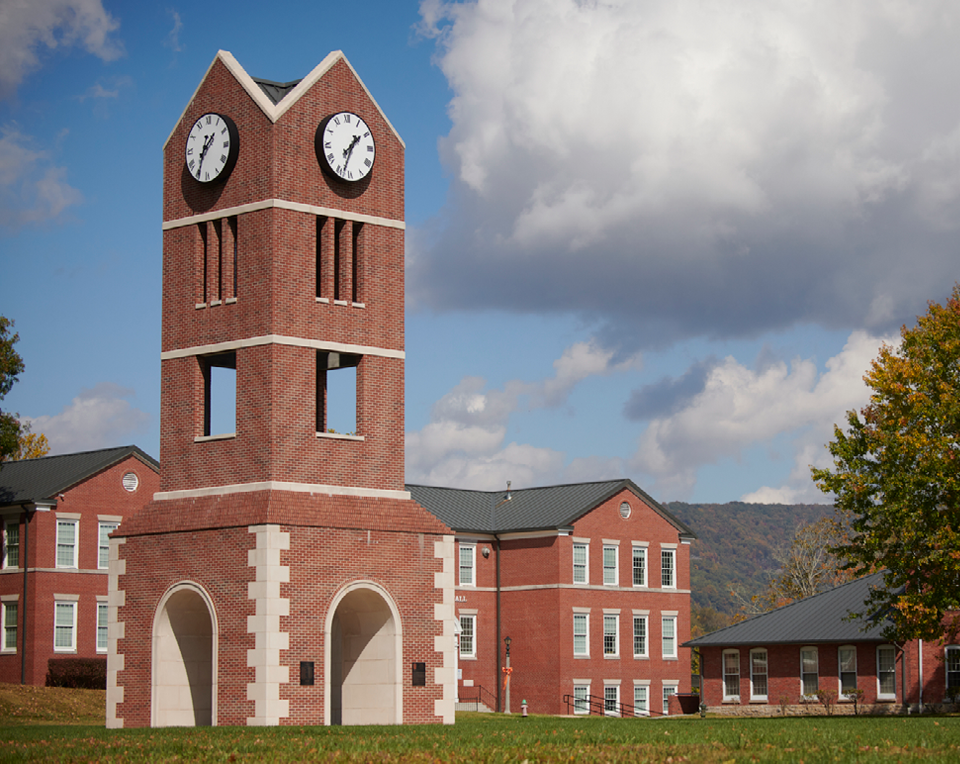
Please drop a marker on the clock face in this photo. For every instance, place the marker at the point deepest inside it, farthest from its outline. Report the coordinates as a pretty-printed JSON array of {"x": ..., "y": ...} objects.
[
  {"x": 345, "y": 146},
  {"x": 212, "y": 147}
]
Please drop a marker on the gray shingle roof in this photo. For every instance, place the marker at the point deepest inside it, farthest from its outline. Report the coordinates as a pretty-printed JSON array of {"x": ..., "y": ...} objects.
[
  {"x": 820, "y": 618},
  {"x": 40, "y": 479},
  {"x": 528, "y": 509},
  {"x": 275, "y": 91}
]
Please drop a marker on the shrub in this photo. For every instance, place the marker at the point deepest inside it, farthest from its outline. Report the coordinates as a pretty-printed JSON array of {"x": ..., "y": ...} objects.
[
  {"x": 827, "y": 698},
  {"x": 78, "y": 673}
]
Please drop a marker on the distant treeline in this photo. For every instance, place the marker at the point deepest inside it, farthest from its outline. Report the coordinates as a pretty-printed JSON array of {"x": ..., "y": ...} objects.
[{"x": 735, "y": 544}]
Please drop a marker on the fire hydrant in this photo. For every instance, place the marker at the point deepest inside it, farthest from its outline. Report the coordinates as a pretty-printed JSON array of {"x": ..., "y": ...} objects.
[{"x": 523, "y": 710}]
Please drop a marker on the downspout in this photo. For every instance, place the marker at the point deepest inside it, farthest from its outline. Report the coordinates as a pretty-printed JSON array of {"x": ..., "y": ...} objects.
[
  {"x": 903, "y": 676},
  {"x": 920, "y": 671},
  {"x": 499, "y": 638}
]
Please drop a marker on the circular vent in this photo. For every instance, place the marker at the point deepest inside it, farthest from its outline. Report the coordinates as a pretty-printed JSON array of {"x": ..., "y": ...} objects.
[
  {"x": 131, "y": 482},
  {"x": 625, "y": 510}
]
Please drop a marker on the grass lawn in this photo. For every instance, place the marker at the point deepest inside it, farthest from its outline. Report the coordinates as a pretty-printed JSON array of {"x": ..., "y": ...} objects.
[{"x": 33, "y": 733}]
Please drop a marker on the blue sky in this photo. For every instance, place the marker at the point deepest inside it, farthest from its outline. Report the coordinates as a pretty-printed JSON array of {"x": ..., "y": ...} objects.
[{"x": 659, "y": 240}]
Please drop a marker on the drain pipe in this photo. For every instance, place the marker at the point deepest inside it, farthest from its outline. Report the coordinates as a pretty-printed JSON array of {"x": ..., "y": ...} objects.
[{"x": 25, "y": 552}]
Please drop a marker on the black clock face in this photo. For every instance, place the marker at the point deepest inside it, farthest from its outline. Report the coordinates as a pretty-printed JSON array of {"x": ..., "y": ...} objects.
[
  {"x": 345, "y": 146},
  {"x": 212, "y": 148}
]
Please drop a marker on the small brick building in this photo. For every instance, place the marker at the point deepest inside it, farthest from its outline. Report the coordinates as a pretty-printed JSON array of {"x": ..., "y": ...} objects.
[
  {"x": 784, "y": 657},
  {"x": 591, "y": 583},
  {"x": 57, "y": 513},
  {"x": 282, "y": 574}
]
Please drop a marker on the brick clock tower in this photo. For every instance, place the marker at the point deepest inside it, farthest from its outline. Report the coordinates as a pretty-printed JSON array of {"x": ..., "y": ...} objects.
[{"x": 282, "y": 574}]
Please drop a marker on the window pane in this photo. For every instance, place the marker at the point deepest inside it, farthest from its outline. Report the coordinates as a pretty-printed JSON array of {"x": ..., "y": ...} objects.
[
  {"x": 639, "y": 566},
  {"x": 848, "y": 669},
  {"x": 731, "y": 675},
  {"x": 667, "y": 692},
  {"x": 466, "y": 565},
  {"x": 580, "y": 699},
  {"x": 13, "y": 545},
  {"x": 103, "y": 611},
  {"x": 580, "y": 634},
  {"x": 610, "y": 635},
  {"x": 63, "y": 626},
  {"x": 666, "y": 568},
  {"x": 639, "y": 635},
  {"x": 66, "y": 541},
  {"x": 758, "y": 669},
  {"x": 105, "y": 530},
  {"x": 808, "y": 667},
  {"x": 579, "y": 563},
  {"x": 669, "y": 634},
  {"x": 886, "y": 670},
  {"x": 609, "y": 565},
  {"x": 640, "y": 698},
  {"x": 611, "y": 700},
  {"x": 10, "y": 626}
]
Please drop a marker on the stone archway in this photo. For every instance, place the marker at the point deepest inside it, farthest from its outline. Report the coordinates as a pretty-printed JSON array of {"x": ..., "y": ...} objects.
[
  {"x": 184, "y": 681},
  {"x": 364, "y": 656}
]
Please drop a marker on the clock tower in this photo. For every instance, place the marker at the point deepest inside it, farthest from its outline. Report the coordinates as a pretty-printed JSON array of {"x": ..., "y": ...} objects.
[{"x": 282, "y": 574}]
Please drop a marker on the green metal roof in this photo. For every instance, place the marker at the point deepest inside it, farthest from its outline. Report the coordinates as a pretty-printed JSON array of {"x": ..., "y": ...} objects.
[
  {"x": 32, "y": 480},
  {"x": 528, "y": 509}
]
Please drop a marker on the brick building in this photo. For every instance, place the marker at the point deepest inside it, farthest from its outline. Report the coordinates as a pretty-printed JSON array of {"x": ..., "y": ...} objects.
[
  {"x": 282, "y": 574},
  {"x": 57, "y": 513},
  {"x": 590, "y": 581},
  {"x": 787, "y": 655}
]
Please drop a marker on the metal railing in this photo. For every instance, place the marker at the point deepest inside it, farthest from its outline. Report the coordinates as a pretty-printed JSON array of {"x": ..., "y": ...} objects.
[
  {"x": 478, "y": 695},
  {"x": 600, "y": 705}
]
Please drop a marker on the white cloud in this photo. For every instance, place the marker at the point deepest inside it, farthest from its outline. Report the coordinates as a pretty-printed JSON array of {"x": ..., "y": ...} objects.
[
  {"x": 28, "y": 25},
  {"x": 679, "y": 168},
  {"x": 741, "y": 407},
  {"x": 463, "y": 444},
  {"x": 32, "y": 188},
  {"x": 99, "y": 417}
]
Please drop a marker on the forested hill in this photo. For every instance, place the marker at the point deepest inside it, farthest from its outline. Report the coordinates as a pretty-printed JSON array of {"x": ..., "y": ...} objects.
[{"x": 735, "y": 545}]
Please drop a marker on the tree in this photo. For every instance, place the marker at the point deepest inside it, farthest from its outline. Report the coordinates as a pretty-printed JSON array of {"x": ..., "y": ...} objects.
[
  {"x": 10, "y": 367},
  {"x": 897, "y": 475},
  {"x": 30, "y": 445},
  {"x": 808, "y": 566}
]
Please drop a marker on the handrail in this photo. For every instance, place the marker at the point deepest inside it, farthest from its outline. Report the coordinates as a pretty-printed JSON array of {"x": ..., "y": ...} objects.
[
  {"x": 478, "y": 697},
  {"x": 601, "y": 706}
]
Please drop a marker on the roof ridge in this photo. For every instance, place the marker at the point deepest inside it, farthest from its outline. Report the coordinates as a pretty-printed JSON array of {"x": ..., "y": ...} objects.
[{"x": 73, "y": 453}]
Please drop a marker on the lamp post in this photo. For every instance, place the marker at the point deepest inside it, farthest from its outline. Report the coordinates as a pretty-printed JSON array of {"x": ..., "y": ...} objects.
[{"x": 506, "y": 675}]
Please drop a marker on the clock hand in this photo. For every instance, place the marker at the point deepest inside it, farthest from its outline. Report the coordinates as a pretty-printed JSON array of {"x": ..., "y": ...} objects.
[
  {"x": 348, "y": 151},
  {"x": 207, "y": 143}
]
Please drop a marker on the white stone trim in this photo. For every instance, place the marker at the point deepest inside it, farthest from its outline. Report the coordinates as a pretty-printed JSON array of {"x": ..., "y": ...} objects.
[
  {"x": 281, "y": 204},
  {"x": 115, "y": 631},
  {"x": 275, "y": 111},
  {"x": 279, "y": 339},
  {"x": 446, "y": 643},
  {"x": 269, "y": 641},
  {"x": 278, "y": 485}
]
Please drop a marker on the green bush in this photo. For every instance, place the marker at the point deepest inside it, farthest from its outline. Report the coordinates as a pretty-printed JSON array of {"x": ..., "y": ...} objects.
[{"x": 79, "y": 673}]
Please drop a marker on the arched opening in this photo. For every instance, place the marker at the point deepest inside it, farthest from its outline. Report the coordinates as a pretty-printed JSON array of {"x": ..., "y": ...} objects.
[
  {"x": 184, "y": 659},
  {"x": 364, "y": 652}
]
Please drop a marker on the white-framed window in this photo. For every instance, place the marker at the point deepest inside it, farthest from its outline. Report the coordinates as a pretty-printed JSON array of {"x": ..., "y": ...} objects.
[
  {"x": 65, "y": 627},
  {"x": 581, "y": 558},
  {"x": 611, "y": 635},
  {"x": 731, "y": 675},
  {"x": 639, "y": 566},
  {"x": 886, "y": 672},
  {"x": 641, "y": 699},
  {"x": 581, "y": 626},
  {"x": 11, "y": 543},
  {"x": 10, "y": 613},
  {"x": 581, "y": 693},
  {"x": 847, "y": 660},
  {"x": 105, "y": 530},
  {"x": 668, "y": 690},
  {"x": 951, "y": 655},
  {"x": 611, "y": 699},
  {"x": 468, "y": 636},
  {"x": 103, "y": 615},
  {"x": 668, "y": 625},
  {"x": 468, "y": 559},
  {"x": 758, "y": 674},
  {"x": 640, "y": 636},
  {"x": 610, "y": 565},
  {"x": 67, "y": 543},
  {"x": 668, "y": 568},
  {"x": 809, "y": 672}
]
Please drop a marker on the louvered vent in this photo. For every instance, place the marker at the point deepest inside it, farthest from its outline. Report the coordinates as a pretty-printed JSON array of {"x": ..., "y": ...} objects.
[
  {"x": 131, "y": 482},
  {"x": 625, "y": 510}
]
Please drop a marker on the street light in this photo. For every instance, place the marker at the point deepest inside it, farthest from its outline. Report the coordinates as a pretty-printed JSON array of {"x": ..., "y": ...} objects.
[{"x": 506, "y": 674}]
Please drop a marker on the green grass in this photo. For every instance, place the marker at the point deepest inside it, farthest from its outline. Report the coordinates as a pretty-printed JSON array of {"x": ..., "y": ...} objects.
[{"x": 497, "y": 738}]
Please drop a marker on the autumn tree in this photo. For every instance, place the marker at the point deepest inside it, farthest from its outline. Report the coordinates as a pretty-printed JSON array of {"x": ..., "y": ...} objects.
[
  {"x": 30, "y": 444},
  {"x": 808, "y": 566},
  {"x": 896, "y": 473},
  {"x": 10, "y": 367}
]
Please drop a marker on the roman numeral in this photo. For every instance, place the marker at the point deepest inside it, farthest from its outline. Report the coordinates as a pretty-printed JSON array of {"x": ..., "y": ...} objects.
[
  {"x": 226, "y": 144},
  {"x": 209, "y": 119},
  {"x": 367, "y": 162},
  {"x": 192, "y": 163},
  {"x": 328, "y": 145},
  {"x": 223, "y": 158},
  {"x": 206, "y": 176},
  {"x": 370, "y": 147}
]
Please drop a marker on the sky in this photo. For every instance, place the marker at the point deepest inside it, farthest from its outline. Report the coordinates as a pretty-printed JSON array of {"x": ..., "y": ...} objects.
[{"x": 655, "y": 240}]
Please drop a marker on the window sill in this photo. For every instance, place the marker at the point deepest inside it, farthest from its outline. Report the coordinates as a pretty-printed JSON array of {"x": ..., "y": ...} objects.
[
  {"x": 341, "y": 302},
  {"x": 670, "y": 658},
  {"x": 468, "y": 657},
  {"x": 359, "y": 304},
  {"x": 230, "y": 301},
  {"x": 611, "y": 657},
  {"x": 581, "y": 657},
  {"x": 215, "y": 302},
  {"x": 892, "y": 699},
  {"x": 758, "y": 700},
  {"x": 641, "y": 657},
  {"x": 65, "y": 651},
  {"x": 339, "y": 436},
  {"x": 208, "y": 438},
  {"x": 731, "y": 701}
]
